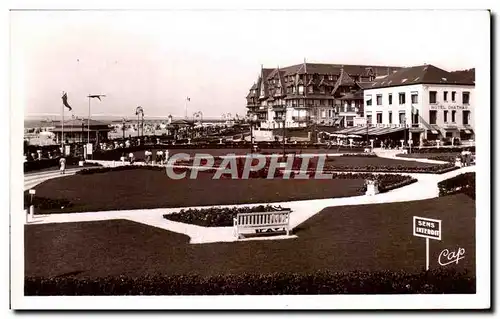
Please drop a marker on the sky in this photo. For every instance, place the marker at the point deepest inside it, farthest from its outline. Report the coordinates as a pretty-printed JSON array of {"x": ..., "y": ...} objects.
[{"x": 155, "y": 59}]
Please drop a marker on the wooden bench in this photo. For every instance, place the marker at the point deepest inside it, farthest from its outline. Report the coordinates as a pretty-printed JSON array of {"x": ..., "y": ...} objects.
[{"x": 262, "y": 221}]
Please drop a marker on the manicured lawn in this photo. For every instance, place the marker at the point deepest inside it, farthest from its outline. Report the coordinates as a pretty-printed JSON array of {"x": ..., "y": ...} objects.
[
  {"x": 142, "y": 188},
  {"x": 445, "y": 156},
  {"x": 364, "y": 237}
]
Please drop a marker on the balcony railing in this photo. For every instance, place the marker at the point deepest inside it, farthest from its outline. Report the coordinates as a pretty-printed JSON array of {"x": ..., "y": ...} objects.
[{"x": 301, "y": 118}]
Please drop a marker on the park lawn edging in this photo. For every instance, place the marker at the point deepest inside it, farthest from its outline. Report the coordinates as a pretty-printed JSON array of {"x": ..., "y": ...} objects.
[
  {"x": 319, "y": 282},
  {"x": 216, "y": 216},
  {"x": 463, "y": 183},
  {"x": 443, "y": 149},
  {"x": 436, "y": 169}
]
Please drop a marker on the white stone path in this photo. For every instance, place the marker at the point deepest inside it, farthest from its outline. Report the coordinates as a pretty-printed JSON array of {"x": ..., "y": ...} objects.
[{"x": 425, "y": 188}]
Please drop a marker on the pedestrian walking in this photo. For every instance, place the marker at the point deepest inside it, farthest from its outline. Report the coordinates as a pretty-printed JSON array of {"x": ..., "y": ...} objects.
[
  {"x": 131, "y": 157},
  {"x": 62, "y": 163}
]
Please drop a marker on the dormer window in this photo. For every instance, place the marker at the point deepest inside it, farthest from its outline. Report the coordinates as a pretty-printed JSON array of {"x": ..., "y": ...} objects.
[
  {"x": 301, "y": 89},
  {"x": 310, "y": 89},
  {"x": 330, "y": 77},
  {"x": 322, "y": 89}
]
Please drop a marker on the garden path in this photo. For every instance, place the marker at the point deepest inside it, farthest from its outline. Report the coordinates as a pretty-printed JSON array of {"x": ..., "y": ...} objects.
[{"x": 424, "y": 188}]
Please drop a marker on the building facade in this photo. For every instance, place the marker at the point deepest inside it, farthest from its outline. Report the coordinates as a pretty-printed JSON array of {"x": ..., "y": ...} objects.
[
  {"x": 299, "y": 95},
  {"x": 81, "y": 130},
  {"x": 430, "y": 102}
]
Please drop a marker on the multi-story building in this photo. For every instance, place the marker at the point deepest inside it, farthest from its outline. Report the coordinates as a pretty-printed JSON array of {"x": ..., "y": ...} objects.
[
  {"x": 325, "y": 94},
  {"x": 429, "y": 102}
]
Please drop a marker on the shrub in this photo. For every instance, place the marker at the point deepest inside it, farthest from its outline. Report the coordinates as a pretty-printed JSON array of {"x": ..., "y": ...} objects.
[
  {"x": 463, "y": 183},
  {"x": 435, "y": 169},
  {"x": 45, "y": 203},
  {"x": 436, "y": 281},
  {"x": 88, "y": 171},
  {"x": 216, "y": 216},
  {"x": 360, "y": 154},
  {"x": 442, "y": 149},
  {"x": 387, "y": 182}
]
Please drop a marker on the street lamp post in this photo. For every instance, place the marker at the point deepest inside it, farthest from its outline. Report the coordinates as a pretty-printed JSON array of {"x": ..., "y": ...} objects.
[
  {"x": 139, "y": 111},
  {"x": 123, "y": 128},
  {"x": 283, "y": 118},
  {"x": 251, "y": 120}
]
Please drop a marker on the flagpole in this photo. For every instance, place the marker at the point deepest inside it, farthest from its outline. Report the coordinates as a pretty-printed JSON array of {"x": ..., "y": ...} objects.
[
  {"x": 88, "y": 124},
  {"x": 186, "y": 109},
  {"x": 62, "y": 130}
]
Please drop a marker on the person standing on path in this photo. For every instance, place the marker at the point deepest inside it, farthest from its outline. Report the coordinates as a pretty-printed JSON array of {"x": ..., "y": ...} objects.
[
  {"x": 62, "y": 163},
  {"x": 159, "y": 157}
]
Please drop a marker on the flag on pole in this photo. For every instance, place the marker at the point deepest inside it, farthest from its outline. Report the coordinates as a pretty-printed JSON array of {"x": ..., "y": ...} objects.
[
  {"x": 95, "y": 96},
  {"x": 188, "y": 99},
  {"x": 65, "y": 101}
]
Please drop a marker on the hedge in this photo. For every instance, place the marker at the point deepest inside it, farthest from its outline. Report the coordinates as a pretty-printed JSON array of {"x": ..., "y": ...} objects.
[
  {"x": 436, "y": 169},
  {"x": 463, "y": 183},
  {"x": 45, "y": 203},
  {"x": 36, "y": 165},
  {"x": 216, "y": 216},
  {"x": 115, "y": 154},
  {"x": 97, "y": 170},
  {"x": 437, "y": 281},
  {"x": 443, "y": 149}
]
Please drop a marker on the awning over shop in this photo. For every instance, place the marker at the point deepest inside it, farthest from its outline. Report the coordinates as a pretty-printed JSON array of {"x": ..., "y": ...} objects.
[{"x": 362, "y": 130}]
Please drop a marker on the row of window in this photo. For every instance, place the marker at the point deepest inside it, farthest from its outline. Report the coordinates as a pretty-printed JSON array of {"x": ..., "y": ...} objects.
[
  {"x": 465, "y": 117},
  {"x": 415, "y": 119},
  {"x": 414, "y": 98},
  {"x": 433, "y": 97},
  {"x": 309, "y": 77}
]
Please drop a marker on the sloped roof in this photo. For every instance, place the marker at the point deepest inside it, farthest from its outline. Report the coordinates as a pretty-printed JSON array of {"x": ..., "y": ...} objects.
[
  {"x": 467, "y": 75},
  {"x": 364, "y": 85},
  {"x": 334, "y": 69},
  {"x": 343, "y": 80},
  {"x": 422, "y": 74},
  {"x": 263, "y": 81}
]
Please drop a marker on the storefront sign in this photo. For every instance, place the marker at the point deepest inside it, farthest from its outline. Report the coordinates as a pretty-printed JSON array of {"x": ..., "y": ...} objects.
[{"x": 448, "y": 107}]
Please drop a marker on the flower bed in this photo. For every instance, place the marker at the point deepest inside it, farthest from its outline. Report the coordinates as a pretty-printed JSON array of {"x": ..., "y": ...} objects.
[
  {"x": 385, "y": 182},
  {"x": 463, "y": 183},
  {"x": 360, "y": 154},
  {"x": 216, "y": 216},
  {"x": 319, "y": 282},
  {"x": 436, "y": 169},
  {"x": 443, "y": 149},
  {"x": 97, "y": 170}
]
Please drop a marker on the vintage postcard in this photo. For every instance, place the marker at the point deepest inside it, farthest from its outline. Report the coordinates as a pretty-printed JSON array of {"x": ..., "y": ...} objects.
[{"x": 250, "y": 159}]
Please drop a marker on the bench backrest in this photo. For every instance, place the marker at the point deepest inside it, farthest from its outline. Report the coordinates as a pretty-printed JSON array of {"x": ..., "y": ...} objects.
[{"x": 264, "y": 218}]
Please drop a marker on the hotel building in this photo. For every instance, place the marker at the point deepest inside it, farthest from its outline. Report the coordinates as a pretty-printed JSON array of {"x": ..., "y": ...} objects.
[
  {"x": 429, "y": 102},
  {"x": 302, "y": 94}
]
